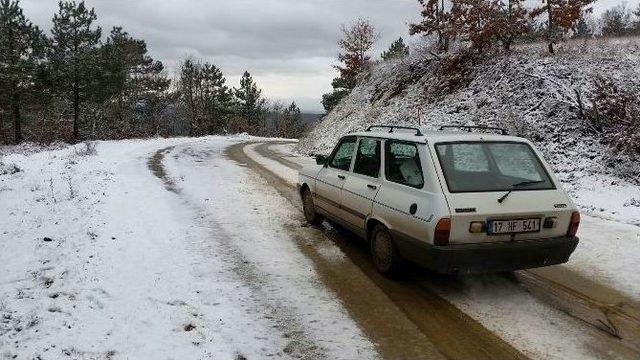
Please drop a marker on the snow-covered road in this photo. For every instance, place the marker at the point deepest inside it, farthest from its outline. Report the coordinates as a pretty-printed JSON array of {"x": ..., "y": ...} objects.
[
  {"x": 99, "y": 260},
  {"x": 167, "y": 248}
]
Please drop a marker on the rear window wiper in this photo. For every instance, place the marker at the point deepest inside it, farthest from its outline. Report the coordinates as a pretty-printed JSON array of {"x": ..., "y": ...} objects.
[{"x": 519, "y": 185}]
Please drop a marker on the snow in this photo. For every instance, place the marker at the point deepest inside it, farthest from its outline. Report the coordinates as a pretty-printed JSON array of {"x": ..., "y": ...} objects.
[
  {"x": 609, "y": 252},
  {"x": 100, "y": 258},
  {"x": 534, "y": 328},
  {"x": 289, "y": 175},
  {"x": 608, "y": 198}
]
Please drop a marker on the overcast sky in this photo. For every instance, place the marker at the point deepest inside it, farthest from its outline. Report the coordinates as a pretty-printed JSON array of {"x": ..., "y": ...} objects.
[{"x": 288, "y": 45}]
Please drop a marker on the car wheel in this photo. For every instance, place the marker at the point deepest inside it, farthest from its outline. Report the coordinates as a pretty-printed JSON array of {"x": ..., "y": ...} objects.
[
  {"x": 310, "y": 209},
  {"x": 384, "y": 253}
]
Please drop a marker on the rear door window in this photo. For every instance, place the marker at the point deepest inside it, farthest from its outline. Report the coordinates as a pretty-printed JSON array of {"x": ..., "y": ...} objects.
[
  {"x": 343, "y": 154},
  {"x": 368, "y": 158},
  {"x": 402, "y": 164}
]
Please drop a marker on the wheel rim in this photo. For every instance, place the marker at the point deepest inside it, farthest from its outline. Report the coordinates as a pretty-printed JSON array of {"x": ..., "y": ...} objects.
[
  {"x": 383, "y": 251},
  {"x": 309, "y": 210}
]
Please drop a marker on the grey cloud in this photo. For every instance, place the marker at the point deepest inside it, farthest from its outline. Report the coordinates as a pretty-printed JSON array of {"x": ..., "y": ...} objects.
[{"x": 292, "y": 38}]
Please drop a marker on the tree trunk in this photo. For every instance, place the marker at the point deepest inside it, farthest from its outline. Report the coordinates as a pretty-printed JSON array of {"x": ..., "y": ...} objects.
[
  {"x": 76, "y": 109},
  {"x": 550, "y": 27},
  {"x": 15, "y": 112}
]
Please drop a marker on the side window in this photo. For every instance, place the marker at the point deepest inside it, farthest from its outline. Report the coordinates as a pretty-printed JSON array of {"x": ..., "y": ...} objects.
[
  {"x": 368, "y": 158},
  {"x": 402, "y": 164},
  {"x": 343, "y": 154}
]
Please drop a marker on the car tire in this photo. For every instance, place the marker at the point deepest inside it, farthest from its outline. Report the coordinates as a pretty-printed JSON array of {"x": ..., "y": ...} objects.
[
  {"x": 309, "y": 209},
  {"x": 383, "y": 251}
]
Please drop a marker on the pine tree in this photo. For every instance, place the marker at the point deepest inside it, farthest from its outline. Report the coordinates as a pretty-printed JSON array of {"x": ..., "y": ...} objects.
[
  {"x": 292, "y": 125},
  {"x": 21, "y": 48},
  {"x": 208, "y": 99},
  {"x": 561, "y": 16},
  {"x": 187, "y": 87},
  {"x": 129, "y": 78},
  {"x": 73, "y": 55},
  {"x": 616, "y": 21},
  {"x": 250, "y": 104},
  {"x": 635, "y": 26},
  {"x": 332, "y": 99},
  {"x": 397, "y": 50},
  {"x": 215, "y": 98}
]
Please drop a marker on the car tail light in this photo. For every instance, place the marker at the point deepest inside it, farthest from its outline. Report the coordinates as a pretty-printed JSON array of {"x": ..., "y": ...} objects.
[
  {"x": 443, "y": 229},
  {"x": 573, "y": 226}
]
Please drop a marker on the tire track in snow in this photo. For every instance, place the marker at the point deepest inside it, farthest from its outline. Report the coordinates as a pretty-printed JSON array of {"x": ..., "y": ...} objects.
[{"x": 300, "y": 345}]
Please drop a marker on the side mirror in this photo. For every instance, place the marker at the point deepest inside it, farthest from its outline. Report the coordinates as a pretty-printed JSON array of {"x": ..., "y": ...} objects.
[{"x": 321, "y": 159}]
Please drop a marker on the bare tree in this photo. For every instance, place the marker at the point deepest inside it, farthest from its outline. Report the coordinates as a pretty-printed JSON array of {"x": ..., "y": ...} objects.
[{"x": 357, "y": 39}]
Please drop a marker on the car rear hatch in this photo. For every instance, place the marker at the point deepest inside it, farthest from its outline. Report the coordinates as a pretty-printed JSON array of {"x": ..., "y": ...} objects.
[{"x": 500, "y": 191}]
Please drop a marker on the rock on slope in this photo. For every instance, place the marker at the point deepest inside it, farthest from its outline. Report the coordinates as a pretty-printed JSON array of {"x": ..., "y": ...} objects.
[{"x": 528, "y": 92}]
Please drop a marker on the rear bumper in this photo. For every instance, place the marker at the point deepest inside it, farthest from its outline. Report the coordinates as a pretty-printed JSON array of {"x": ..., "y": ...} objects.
[{"x": 492, "y": 257}]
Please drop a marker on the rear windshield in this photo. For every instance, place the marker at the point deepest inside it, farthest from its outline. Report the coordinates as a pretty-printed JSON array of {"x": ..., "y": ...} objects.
[{"x": 492, "y": 166}]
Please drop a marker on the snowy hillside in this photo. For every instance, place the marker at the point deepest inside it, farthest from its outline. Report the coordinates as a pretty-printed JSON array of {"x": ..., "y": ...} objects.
[{"x": 528, "y": 92}]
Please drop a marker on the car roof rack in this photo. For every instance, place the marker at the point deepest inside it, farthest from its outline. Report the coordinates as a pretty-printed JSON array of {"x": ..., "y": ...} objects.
[
  {"x": 393, "y": 127},
  {"x": 469, "y": 128}
]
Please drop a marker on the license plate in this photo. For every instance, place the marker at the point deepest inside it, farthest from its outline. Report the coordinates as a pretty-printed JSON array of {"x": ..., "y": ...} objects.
[{"x": 519, "y": 226}]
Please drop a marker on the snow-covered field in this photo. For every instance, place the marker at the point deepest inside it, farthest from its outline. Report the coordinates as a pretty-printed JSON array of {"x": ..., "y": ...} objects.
[{"x": 107, "y": 255}]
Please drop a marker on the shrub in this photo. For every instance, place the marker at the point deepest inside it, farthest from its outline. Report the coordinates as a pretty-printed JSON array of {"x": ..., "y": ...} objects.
[{"x": 615, "y": 114}]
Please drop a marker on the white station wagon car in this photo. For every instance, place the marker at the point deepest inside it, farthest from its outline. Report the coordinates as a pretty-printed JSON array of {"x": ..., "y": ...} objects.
[{"x": 453, "y": 202}]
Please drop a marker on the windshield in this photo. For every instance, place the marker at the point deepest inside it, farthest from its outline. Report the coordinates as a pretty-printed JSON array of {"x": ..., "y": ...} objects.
[{"x": 492, "y": 166}]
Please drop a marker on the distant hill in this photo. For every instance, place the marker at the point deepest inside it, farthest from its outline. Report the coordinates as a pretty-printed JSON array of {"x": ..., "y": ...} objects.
[{"x": 310, "y": 118}]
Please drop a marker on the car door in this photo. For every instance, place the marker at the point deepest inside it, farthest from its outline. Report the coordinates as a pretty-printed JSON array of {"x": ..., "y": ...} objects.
[
  {"x": 362, "y": 185},
  {"x": 332, "y": 177},
  {"x": 409, "y": 198}
]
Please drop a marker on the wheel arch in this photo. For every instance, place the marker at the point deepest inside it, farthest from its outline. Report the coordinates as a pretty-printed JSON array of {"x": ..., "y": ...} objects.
[{"x": 371, "y": 224}]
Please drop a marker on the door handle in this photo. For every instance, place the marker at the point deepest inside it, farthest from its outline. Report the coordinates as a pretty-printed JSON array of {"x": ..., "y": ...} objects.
[
  {"x": 372, "y": 187},
  {"x": 341, "y": 177}
]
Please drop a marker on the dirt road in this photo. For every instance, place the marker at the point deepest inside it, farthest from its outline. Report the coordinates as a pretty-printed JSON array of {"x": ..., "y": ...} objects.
[{"x": 413, "y": 304}]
